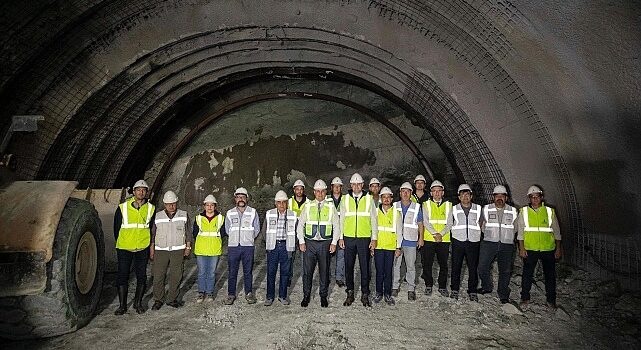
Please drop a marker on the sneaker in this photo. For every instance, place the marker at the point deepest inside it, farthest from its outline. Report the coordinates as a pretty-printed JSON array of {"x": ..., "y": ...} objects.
[
  {"x": 444, "y": 292},
  {"x": 474, "y": 297},
  {"x": 411, "y": 295},
  {"x": 157, "y": 305},
  {"x": 454, "y": 295},
  {"x": 389, "y": 300},
  {"x": 428, "y": 291},
  {"x": 284, "y": 301},
  {"x": 395, "y": 292},
  {"x": 200, "y": 298},
  {"x": 230, "y": 300},
  {"x": 268, "y": 302},
  {"x": 340, "y": 283},
  {"x": 378, "y": 298},
  {"x": 251, "y": 299},
  {"x": 210, "y": 298}
]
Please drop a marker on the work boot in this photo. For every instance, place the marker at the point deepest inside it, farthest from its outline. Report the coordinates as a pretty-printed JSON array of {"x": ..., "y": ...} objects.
[
  {"x": 444, "y": 292},
  {"x": 305, "y": 301},
  {"x": 140, "y": 292},
  {"x": 395, "y": 292},
  {"x": 175, "y": 304},
  {"x": 428, "y": 291},
  {"x": 350, "y": 298},
  {"x": 324, "y": 302},
  {"x": 454, "y": 295},
  {"x": 474, "y": 297},
  {"x": 230, "y": 300},
  {"x": 365, "y": 300},
  {"x": 378, "y": 298},
  {"x": 201, "y": 297},
  {"x": 484, "y": 291},
  {"x": 411, "y": 295},
  {"x": 157, "y": 305},
  {"x": 389, "y": 300},
  {"x": 122, "y": 299},
  {"x": 251, "y": 299}
]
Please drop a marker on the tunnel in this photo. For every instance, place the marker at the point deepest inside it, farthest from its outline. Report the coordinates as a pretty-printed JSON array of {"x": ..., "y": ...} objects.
[{"x": 201, "y": 97}]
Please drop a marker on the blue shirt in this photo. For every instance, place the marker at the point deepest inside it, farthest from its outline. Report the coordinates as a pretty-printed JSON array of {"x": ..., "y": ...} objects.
[{"x": 419, "y": 219}]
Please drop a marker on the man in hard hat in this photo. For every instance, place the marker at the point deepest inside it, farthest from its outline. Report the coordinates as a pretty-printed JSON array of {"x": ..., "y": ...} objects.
[
  {"x": 436, "y": 212},
  {"x": 170, "y": 244},
  {"x": 410, "y": 234},
  {"x": 359, "y": 230},
  {"x": 335, "y": 198},
  {"x": 498, "y": 227},
  {"x": 420, "y": 196},
  {"x": 296, "y": 204},
  {"x": 374, "y": 190},
  {"x": 208, "y": 232},
  {"x": 318, "y": 232},
  {"x": 539, "y": 238},
  {"x": 242, "y": 227},
  {"x": 280, "y": 241},
  {"x": 388, "y": 246},
  {"x": 466, "y": 242},
  {"x": 133, "y": 236}
]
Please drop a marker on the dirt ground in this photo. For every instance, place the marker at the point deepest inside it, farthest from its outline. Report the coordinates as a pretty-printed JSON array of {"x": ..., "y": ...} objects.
[{"x": 593, "y": 314}]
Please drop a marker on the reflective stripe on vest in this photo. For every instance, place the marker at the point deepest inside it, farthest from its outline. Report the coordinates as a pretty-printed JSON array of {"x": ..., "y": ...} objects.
[
  {"x": 357, "y": 221},
  {"x": 319, "y": 222},
  {"x": 387, "y": 229},
  {"x": 134, "y": 234},
  {"x": 170, "y": 232},
  {"x": 272, "y": 224},
  {"x": 208, "y": 241},
  {"x": 437, "y": 216},
  {"x": 495, "y": 231},
  {"x": 466, "y": 225},
  {"x": 537, "y": 233},
  {"x": 292, "y": 205}
]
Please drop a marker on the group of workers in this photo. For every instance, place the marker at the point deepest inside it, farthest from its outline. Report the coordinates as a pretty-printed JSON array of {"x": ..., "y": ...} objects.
[{"x": 357, "y": 225}]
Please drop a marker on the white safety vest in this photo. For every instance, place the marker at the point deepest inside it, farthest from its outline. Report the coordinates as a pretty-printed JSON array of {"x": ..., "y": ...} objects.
[
  {"x": 271, "y": 219},
  {"x": 241, "y": 227},
  {"x": 495, "y": 231},
  {"x": 466, "y": 228},
  {"x": 170, "y": 233},
  {"x": 409, "y": 228}
]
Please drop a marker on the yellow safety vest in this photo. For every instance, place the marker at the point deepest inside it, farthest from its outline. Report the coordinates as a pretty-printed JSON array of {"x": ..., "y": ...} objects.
[
  {"x": 387, "y": 239},
  {"x": 357, "y": 222},
  {"x": 537, "y": 233},
  {"x": 437, "y": 216},
  {"x": 319, "y": 221},
  {"x": 134, "y": 234},
  {"x": 292, "y": 205},
  {"x": 209, "y": 241}
]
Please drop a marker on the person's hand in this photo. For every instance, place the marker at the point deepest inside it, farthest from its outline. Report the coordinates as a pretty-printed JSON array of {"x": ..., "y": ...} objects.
[
  {"x": 420, "y": 243},
  {"x": 187, "y": 252},
  {"x": 332, "y": 248},
  {"x": 151, "y": 253},
  {"x": 438, "y": 237},
  {"x": 397, "y": 253},
  {"x": 302, "y": 247},
  {"x": 341, "y": 243},
  {"x": 523, "y": 253},
  {"x": 558, "y": 253},
  {"x": 372, "y": 245}
]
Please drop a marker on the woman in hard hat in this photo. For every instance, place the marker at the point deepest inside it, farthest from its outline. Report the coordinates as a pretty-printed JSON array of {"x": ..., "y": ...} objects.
[{"x": 209, "y": 228}]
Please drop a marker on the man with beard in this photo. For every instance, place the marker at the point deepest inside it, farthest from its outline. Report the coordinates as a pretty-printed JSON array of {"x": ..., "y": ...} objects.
[
  {"x": 335, "y": 198},
  {"x": 296, "y": 204}
]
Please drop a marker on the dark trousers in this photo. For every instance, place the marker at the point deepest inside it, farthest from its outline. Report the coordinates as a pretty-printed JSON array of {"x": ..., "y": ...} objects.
[
  {"x": 316, "y": 252},
  {"x": 278, "y": 256},
  {"x": 504, "y": 255},
  {"x": 357, "y": 247},
  {"x": 442, "y": 252},
  {"x": 292, "y": 258},
  {"x": 549, "y": 272},
  {"x": 236, "y": 255},
  {"x": 468, "y": 251},
  {"x": 125, "y": 260},
  {"x": 384, "y": 262}
]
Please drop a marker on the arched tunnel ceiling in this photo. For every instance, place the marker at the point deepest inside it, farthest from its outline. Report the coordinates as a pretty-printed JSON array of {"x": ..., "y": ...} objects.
[{"x": 515, "y": 92}]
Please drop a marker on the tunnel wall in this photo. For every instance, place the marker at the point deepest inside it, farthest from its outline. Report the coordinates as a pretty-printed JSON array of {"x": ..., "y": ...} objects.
[{"x": 517, "y": 92}]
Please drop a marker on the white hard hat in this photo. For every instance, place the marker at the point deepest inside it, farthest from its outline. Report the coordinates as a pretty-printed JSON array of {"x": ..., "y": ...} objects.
[
  {"x": 407, "y": 186},
  {"x": 210, "y": 199},
  {"x": 436, "y": 183},
  {"x": 374, "y": 181},
  {"x": 337, "y": 181},
  {"x": 141, "y": 183},
  {"x": 533, "y": 189},
  {"x": 356, "y": 179},
  {"x": 241, "y": 190},
  {"x": 169, "y": 197},
  {"x": 320, "y": 185},
  {"x": 299, "y": 183},
  {"x": 280, "y": 196},
  {"x": 386, "y": 190},
  {"x": 464, "y": 187},
  {"x": 419, "y": 178},
  {"x": 500, "y": 189}
]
